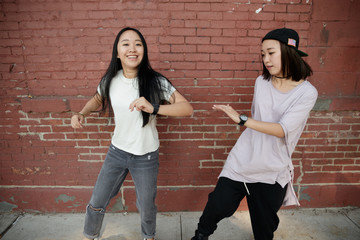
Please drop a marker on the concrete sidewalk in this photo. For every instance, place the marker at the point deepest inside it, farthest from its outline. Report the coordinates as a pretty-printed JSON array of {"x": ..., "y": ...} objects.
[{"x": 298, "y": 224}]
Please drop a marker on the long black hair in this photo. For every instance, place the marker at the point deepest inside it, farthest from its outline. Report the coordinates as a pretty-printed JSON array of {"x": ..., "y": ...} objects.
[
  {"x": 148, "y": 79},
  {"x": 292, "y": 64}
]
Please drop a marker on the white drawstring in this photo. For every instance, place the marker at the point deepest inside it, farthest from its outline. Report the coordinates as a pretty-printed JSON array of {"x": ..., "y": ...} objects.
[{"x": 246, "y": 188}]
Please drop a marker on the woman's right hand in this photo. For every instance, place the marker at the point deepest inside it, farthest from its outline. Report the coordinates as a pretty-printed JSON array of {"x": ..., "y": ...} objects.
[
  {"x": 77, "y": 120},
  {"x": 229, "y": 111}
]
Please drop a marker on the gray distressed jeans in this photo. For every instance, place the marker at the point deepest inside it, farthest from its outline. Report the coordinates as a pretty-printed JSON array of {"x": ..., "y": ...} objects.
[{"x": 117, "y": 164}]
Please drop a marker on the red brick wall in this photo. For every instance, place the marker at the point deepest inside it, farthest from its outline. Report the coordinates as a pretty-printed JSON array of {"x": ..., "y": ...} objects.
[{"x": 53, "y": 53}]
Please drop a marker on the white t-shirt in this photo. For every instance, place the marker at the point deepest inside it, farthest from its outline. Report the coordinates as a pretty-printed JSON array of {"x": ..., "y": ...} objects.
[
  {"x": 129, "y": 135},
  {"x": 259, "y": 157}
]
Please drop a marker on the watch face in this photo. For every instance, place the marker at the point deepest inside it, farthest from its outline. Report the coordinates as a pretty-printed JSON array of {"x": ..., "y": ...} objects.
[{"x": 243, "y": 118}]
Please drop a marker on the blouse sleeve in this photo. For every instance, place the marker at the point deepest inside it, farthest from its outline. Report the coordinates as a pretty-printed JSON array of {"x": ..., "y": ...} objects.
[
  {"x": 294, "y": 119},
  {"x": 253, "y": 103}
]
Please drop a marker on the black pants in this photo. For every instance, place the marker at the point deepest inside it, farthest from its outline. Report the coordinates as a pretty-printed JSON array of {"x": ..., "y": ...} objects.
[{"x": 264, "y": 202}]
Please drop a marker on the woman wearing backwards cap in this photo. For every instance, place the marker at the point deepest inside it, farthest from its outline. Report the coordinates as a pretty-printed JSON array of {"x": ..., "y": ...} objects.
[{"x": 259, "y": 166}]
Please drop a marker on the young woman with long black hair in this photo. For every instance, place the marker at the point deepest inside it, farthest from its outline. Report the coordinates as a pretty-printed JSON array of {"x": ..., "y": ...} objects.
[{"x": 136, "y": 94}]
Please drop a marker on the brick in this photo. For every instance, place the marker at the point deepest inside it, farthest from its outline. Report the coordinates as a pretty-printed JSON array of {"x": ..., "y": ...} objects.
[
  {"x": 209, "y": 32},
  {"x": 352, "y": 154},
  {"x": 197, "y": 40},
  {"x": 230, "y": 66},
  {"x": 175, "y": 23},
  {"x": 275, "y": 8},
  {"x": 263, "y": 16},
  {"x": 329, "y": 177},
  {"x": 301, "y": 25},
  {"x": 287, "y": 17},
  {"x": 238, "y": 16},
  {"x": 334, "y": 87},
  {"x": 288, "y": 1},
  {"x": 341, "y": 127},
  {"x": 172, "y": 40},
  {"x": 222, "y": 57},
  {"x": 351, "y": 168},
  {"x": 212, "y": 164},
  {"x": 171, "y": 6},
  {"x": 249, "y": 42},
  {"x": 344, "y": 104},
  {"x": 223, "y": 41},
  {"x": 236, "y": 33},
  {"x": 211, "y": 65},
  {"x": 9, "y": 7},
  {"x": 223, "y": 24},
  {"x": 245, "y": 25},
  {"x": 333, "y": 195},
  {"x": 139, "y": 5},
  {"x": 183, "y": 65},
  {"x": 197, "y": 73},
  {"x": 209, "y": 16},
  {"x": 313, "y": 127},
  {"x": 183, "y": 48},
  {"x": 327, "y": 10},
  {"x": 223, "y": 7},
  {"x": 354, "y": 6},
  {"x": 198, "y": 7},
  {"x": 182, "y": 32},
  {"x": 44, "y": 105},
  {"x": 328, "y": 55},
  {"x": 197, "y": 57},
  {"x": 299, "y": 8},
  {"x": 197, "y": 24},
  {"x": 183, "y": 15},
  {"x": 10, "y": 42},
  {"x": 87, "y": 6},
  {"x": 344, "y": 162}
]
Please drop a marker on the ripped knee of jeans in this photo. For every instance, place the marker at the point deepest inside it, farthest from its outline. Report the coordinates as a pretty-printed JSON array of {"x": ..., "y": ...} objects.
[{"x": 100, "y": 210}]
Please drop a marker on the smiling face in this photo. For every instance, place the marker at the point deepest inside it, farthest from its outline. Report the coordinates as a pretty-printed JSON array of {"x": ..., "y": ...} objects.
[
  {"x": 271, "y": 56},
  {"x": 130, "y": 50}
]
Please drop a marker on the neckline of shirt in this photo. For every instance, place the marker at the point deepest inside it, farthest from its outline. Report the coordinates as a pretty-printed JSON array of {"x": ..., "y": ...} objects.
[
  {"x": 125, "y": 78},
  {"x": 288, "y": 92}
]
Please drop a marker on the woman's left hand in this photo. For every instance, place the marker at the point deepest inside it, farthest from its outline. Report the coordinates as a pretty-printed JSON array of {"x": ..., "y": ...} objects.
[
  {"x": 229, "y": 111},
  {"x": 141, "y": 104}
]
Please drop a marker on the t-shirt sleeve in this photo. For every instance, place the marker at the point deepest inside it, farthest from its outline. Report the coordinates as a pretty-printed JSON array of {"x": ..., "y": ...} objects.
[
  {"x": 167, "y": 88},
  {"x": 294, "y": 119},
  {"x": 98, "y": 90}
]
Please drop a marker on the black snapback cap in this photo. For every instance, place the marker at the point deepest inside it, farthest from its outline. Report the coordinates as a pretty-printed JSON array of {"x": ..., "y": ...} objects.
[{"x": 287, "y": 36}]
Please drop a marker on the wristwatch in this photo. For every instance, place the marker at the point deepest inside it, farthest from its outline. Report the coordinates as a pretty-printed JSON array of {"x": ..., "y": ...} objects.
[{"x": 243, "y": 119}]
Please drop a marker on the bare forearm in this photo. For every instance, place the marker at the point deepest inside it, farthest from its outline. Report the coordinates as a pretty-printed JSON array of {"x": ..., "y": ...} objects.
[
  {"x": 179, "y": 109},
  {"x": 270, "y": 128},
  {"x": 92, "y": 105},
  {"x": 273, "y": 129}
]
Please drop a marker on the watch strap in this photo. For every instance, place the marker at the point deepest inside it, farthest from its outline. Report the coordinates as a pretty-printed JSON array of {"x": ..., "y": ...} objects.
[{"x": 156, "y": 108}]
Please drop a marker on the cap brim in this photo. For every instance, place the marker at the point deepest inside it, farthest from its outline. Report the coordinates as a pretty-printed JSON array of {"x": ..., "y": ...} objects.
[{"x": 301, "y": 53}]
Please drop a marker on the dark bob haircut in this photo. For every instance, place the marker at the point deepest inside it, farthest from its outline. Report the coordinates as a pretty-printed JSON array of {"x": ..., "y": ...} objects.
[{"x": 292, "y": 64}]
